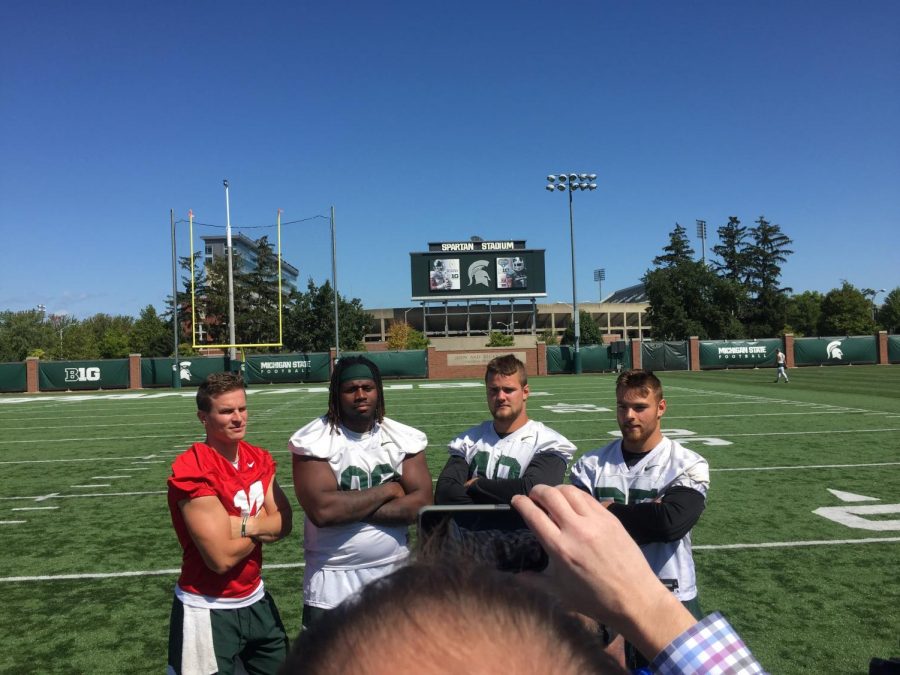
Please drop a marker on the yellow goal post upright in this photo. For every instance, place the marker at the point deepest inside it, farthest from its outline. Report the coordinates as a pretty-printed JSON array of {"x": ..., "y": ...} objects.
[{"x": 240, "y": 345}]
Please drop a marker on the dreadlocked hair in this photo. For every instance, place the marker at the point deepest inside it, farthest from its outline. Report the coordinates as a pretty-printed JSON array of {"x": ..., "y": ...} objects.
[{"x": 334, "y": 389}]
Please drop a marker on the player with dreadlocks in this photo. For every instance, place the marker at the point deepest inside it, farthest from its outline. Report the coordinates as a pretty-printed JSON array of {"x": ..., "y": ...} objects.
[{"x": 361, "y": 479}]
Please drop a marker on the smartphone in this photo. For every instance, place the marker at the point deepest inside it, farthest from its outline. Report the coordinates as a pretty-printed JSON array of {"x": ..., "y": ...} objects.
[{"x": 490, "y": 534}]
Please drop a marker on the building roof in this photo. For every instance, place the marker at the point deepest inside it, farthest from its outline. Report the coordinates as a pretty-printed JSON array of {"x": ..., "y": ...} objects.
[{"x": 636, "y": 293}]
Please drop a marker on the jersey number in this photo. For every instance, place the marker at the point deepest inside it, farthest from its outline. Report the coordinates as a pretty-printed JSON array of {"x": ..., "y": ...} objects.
[
  {"x": 480, "y": 462},
  {"x": 357, "y": 478},
  {"x": 635, "y": 495},
  {"x": 250, "y": 505}
]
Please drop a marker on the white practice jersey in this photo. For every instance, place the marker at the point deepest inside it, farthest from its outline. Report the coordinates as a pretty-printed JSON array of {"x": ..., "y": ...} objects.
[
  {"x": 604, "y": 473},
  {"x": 493, "y": 457},
  {"x": 358, "y": 461}
]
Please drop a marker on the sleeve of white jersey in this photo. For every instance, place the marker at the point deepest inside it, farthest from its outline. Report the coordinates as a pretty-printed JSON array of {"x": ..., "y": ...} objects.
[
  {"x": 695, "y": 476},
  {"x": 316, "y": 439},
  {"x": 557, "y": 444},
  {"x": 408, "y": 439},
  {"x": 462, "y": 445}
]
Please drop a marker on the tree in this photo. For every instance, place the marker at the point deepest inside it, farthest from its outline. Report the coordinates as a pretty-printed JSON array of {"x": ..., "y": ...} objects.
[
  {"x": 258, "y": 323},
  {"x": 498, "y": 339},
  {"x": 590, "y": 331},
  {"x": 309, "y": 320},
  {"x": 889, "y": 313},
  {"x": 403, "y": 336},
  {"x": 766, "y": 254},
  {"x": 677, "y": 251},
  {"x": 185, "y": 314},
  {"x": 548, "y": 337},
  {"x": 104, "y": 336},
  {"x": 151, "y": 335},
  {"x": 803, "y": 312},
  {"x": 732, "y": 250},
  {"x": 846, "y": 311},
  {"x": 688, "y": 298},
  {"x": 21, "y": 333}
]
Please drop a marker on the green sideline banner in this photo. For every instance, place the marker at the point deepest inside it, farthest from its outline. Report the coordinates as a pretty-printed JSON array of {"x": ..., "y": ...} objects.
[
  {"x": 834, "y": 351},
  {"x": 406, "y": 363},
  {"x": 893, "y": 348},
  {"x": 13, "y": 377},
  {"x": 559, "y": 360},
  {"x": 738, "y": 353},
  {"x": 277, "y": 368},
  {"x": 107, "y": 374},
  {"x": 665, "y": 355},
  {"x": 156, "y": 372},
  {"x": 192, "y": 370},
  {"x": 594, "y": 359}
]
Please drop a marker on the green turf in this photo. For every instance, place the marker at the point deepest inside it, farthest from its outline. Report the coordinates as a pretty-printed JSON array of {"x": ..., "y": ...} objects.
[{"x": 823, "y": 608}]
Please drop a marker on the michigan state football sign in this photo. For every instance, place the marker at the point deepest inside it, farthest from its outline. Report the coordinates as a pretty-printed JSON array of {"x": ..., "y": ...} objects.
[{"x": 463, "y": 270}]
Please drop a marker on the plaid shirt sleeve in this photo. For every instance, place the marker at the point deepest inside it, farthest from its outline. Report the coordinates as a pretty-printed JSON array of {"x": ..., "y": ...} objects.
[{"x": 710, "y": 646}]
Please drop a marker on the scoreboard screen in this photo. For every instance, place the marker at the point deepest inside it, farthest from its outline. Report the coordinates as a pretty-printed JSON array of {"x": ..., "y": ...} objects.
[{"x": 482, "y": 269}]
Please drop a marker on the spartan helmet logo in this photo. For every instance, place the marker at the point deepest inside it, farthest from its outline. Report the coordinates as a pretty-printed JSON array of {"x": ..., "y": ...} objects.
[
  {"x": 184, "y": 370},
  {"x": 439, "y": 265},
  {"x": 518, "y": 264},
  {"x": 478, "y": 273},
  {"x": 834, "y": 350}
]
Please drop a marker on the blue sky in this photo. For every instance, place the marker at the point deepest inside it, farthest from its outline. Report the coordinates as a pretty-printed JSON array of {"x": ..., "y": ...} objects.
[{"x": 428, "y": 122}]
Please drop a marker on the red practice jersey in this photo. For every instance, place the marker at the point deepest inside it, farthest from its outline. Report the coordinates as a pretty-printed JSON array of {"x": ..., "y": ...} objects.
[{"x": 200, "y": 471}]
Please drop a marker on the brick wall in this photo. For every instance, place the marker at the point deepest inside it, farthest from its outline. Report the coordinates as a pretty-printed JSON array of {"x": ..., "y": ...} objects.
[{"x": 471, "y": 363}]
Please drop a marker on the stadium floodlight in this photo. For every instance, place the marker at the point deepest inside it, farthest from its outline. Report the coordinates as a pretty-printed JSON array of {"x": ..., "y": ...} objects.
[
  {"x": 569, "y": 183},
  {"x": 600, "y": 277}
]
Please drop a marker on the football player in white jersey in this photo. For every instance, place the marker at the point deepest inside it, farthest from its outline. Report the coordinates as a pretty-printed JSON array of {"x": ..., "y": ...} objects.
[
  {"x": 508, "y": 454},
  {"x": 652, "y": 484},
  {"x": 361, "y": 479}
]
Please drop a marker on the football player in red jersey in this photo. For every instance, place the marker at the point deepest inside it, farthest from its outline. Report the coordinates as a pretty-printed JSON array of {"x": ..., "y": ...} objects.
[{"x": 225, "y": 503}]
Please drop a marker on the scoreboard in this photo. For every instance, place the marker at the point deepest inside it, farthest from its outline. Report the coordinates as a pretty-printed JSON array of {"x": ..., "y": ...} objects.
[{"x": 468, "y": 270}]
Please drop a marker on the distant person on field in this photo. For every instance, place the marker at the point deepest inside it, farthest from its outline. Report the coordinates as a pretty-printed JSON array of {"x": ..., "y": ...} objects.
[
  {"x": 507, "y": 455},
  {"x": 780, "y": 362},
  {"x": 361, "y": 479},
  {"x": 652, "y": 484},
  {"x": 225, "y": 503}
]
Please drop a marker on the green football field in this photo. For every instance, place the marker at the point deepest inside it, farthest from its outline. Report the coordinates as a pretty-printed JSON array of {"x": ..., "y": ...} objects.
[{"x": 799, "y": 545}]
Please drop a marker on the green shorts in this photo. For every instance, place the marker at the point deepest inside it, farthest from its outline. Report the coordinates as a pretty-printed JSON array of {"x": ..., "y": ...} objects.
[{"x": 255, "y": 634}]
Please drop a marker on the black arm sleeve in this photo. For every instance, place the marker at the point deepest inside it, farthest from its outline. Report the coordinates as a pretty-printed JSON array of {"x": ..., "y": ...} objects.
[
  {"x": 546, "y": 468},
  {"x": 667, "y": 520},
  {"x": 451, "y": 488}
]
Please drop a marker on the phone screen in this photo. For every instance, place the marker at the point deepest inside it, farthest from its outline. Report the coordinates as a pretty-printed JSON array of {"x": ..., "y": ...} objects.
[{"x": 491, "y": 534}]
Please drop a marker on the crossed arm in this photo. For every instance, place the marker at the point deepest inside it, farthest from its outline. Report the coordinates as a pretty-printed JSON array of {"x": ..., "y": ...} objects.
[
  {"x": 217, "y": 534},
  {"x": 454, "y": 485},
  {"x": 391, "y": 503},
  {"x": 667, "y": 518}
]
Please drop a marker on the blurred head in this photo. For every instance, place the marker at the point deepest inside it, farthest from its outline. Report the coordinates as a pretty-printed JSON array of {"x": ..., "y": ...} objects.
[
  {"x": 355, "y": 394},
  {"x": 639, "y": 407},
  {"x": 447, "y": 618}
]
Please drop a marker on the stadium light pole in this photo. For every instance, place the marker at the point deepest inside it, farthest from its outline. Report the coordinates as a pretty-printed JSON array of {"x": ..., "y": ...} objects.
[
  {"x": 232, "y": 352},
  {"x": 176, "y": 380},
  {"x": 600, "y": 277},
  {"x": 569, "y": 183},
  {"x": 701, "y": 232},
  {"x": 337, "y": 325}
]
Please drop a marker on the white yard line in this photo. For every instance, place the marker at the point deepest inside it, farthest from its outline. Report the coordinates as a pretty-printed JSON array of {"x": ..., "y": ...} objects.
[
  {"x": 120, "y": 575},
  {"x": 795, "y": 544}
]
